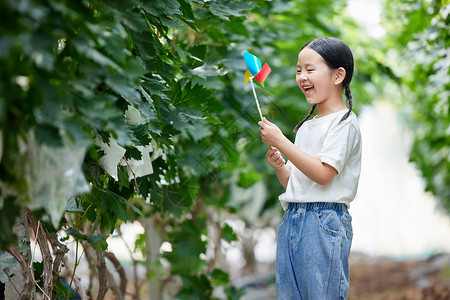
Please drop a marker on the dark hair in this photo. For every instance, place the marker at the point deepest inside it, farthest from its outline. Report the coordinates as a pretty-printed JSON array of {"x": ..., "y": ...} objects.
[{"x": 336, "y": 54}]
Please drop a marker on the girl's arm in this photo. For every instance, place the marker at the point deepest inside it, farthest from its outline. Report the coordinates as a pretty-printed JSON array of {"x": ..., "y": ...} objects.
[
  {"x": 283, "y": 175},
  {"x": 275, "y": 159},
  {"x": 312, "y": 167}
]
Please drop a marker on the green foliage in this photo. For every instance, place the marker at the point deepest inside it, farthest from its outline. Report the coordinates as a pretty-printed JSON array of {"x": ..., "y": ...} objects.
[
  {"x": 97, "y": 241},
  {"x": 234, "y": 293},
  {"x": 8, "y": 216},
  {"x": 228, "y": 233},
  {"x": 248, "y": 177},
  {"x": 187, "y": 247},
  {"x": 418, "y": 43},
  {"x": 166, "y": 73}
]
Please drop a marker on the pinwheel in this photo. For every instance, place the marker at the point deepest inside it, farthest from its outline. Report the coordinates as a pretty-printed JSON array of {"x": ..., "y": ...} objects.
[{"x": 254, "y": 70}]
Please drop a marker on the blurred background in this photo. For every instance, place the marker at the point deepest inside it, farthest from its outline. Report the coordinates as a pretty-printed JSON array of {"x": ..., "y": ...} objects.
[
  {"x": 126, "y": 133},
  {"x": 401, "y": 246}
]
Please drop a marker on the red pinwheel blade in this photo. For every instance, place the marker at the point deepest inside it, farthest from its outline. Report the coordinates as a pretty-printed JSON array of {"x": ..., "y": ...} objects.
[{"x": 262, "y": 75}]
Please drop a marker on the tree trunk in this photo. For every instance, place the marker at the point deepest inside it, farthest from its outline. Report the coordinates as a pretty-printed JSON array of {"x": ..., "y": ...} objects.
[
  {"x": 153, "y": 243},
  {"x": 17, "y": 285}
]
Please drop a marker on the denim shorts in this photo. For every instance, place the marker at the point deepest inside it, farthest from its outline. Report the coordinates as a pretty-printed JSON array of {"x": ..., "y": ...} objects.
[{"x": 313, "y": 246}]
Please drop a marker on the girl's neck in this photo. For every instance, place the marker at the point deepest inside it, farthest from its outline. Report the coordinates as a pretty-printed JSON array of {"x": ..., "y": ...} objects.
[{"x": 325, "y": 109}]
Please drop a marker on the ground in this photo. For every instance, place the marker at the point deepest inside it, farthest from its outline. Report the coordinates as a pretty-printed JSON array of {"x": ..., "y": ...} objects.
[{"x": 378, "y": 278}]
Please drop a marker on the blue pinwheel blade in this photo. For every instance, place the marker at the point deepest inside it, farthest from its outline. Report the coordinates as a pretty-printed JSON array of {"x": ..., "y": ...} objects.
[{"x": 253, "y": 63}]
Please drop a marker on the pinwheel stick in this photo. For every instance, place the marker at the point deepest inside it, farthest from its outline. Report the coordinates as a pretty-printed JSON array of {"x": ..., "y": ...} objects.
[
  {"x": 256, "y": 98},
  {"x": 257, "y": 104}
]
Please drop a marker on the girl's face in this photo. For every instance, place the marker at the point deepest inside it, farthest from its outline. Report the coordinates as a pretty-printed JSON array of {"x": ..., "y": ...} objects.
[{"x": 314, "y": 77}]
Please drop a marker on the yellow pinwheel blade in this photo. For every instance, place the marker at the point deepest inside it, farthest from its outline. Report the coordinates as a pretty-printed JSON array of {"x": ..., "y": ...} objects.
[{"x": 247, "y": 76}]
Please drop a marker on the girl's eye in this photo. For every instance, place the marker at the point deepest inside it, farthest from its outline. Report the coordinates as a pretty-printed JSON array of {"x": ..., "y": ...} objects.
[{"x": 310, "y": 70}]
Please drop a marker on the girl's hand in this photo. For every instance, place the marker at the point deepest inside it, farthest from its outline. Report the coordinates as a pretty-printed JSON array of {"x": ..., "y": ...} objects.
[
  {"x": 271, "y": 135},
  {"x": 275, "y": 159}
]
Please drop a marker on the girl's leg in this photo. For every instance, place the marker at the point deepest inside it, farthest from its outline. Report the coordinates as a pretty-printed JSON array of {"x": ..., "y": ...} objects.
[{"x": 286, "y": 281}]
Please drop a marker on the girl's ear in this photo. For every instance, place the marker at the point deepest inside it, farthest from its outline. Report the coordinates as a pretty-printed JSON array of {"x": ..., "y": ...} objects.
[{"x": 339, "y": 76}]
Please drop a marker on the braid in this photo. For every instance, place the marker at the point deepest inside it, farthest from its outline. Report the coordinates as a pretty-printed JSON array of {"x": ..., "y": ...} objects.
[
  {"x": 348, "y": 95},
  {"x": 306, "y": 118}
]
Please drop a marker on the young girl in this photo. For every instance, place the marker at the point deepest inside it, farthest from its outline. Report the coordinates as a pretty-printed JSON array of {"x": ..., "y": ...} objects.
[{"x": 320, "y": 177}]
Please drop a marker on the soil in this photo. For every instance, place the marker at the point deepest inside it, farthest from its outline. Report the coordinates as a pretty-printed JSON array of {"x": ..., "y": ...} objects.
[
  {"x": 388, "y": 279},
  {"x": 375, "y": 278}
]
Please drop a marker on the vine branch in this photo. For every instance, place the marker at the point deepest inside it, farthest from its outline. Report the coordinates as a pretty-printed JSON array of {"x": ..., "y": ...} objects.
[
  {"x": 28, "y": 284},
  {"x": 136, "y": 188},
  {"x": 119, "y": 269},
  {"x": 47, "y": 273}
]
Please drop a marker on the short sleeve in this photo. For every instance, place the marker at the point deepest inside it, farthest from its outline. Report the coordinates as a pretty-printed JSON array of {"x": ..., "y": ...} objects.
[
  {"x": 339, "y": 145},
  {"x": 289, "y": 164}
]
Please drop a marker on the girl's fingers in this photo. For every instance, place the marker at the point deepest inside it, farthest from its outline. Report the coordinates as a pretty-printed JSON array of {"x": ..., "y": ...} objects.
[
  {"x": 274, "y": 150},
  {"x": 274, "y": 157},
  {"x": 266, "y": 121},
  {"x": 278, "y": 154},
  {"x": 271, "y": 152},
  {"x": 280, "y": 160}
]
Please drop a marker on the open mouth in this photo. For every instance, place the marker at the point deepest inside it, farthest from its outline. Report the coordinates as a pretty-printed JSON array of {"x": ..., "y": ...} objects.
[{"x": 308, "y": 89}]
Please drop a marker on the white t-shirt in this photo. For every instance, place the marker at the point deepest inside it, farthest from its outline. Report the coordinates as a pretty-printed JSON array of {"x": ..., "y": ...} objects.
[{"x": 336, "y": 144}]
